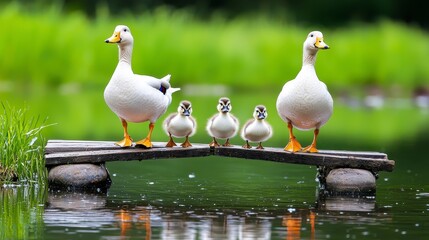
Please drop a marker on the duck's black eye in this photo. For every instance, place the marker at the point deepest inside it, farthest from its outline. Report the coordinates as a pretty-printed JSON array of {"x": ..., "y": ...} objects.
[
  {"x": 125, "y": 30},
  {"x": 311, "y": 35}
]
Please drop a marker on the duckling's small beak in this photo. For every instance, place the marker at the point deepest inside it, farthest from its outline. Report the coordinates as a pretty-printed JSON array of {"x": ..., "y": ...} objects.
[
  {"x": 115, "y": 38},
  {"x": 320, "y": 44},
  {"x": 225, "y": 109},
  {"x": 186, "y": 113},
  {"x": 261, "y": 116}
]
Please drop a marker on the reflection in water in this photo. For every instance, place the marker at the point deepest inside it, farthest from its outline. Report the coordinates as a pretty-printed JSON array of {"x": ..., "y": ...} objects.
[
  {"x": 77, "y": 210},
  {"x": 292, "y": 222},
  {"x": 95, "y": 212},
  {"x": 293, "y": 226},
  {"x": 21, "y": 211},
  {"x": 76, "y": 201},
  {"x": 348, "y": 204},
  {"x": 138, "y": 218}
]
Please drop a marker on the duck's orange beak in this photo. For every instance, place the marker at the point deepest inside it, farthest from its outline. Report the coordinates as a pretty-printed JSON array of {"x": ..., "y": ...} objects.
[
  {"x": 320, "y": 44},
  {"x": 115, "y": 38}
]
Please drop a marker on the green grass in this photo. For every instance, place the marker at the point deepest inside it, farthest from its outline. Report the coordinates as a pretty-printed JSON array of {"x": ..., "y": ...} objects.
[
  {"x": 22, "y": 146},
  {"x": 55, "y": 48}
]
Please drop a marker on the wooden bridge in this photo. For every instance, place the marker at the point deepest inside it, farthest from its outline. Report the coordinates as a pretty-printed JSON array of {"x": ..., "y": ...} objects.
[{"x": 62, "y": 152}]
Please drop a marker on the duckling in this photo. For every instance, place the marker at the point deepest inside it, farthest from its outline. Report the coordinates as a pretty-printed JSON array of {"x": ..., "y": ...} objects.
[
  {"x": 132, "y": 97},
  {"x": 257, "y": 129},
  {"x": 305, "y": 102},
  {"x": 223, "y": 124},
  {"x": 180, "y": 124}
]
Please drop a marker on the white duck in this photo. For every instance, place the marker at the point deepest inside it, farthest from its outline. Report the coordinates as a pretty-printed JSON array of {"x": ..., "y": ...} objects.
[
  {"x": 305, "y": 102},
  {"x": 223, "y": 124},
  {"x": 132, "y": 97},
  {"x": 180, "y": 124},
  {"x": 257, "y": 129}
]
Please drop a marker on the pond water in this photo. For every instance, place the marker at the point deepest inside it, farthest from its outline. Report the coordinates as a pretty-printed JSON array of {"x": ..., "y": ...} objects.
[{"x": 221, "y": 198}]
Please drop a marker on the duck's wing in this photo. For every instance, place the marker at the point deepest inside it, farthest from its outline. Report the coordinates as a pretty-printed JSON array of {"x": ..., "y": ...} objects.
[
  {"x": 243, "y": 130},
  {"x": 160, "y": 84},
  {"x": 236, "y": 122},
  {"x": 210, "y": 123},
  {"x": 270, "y": 129},
  {"x": 194, "y": 126}
]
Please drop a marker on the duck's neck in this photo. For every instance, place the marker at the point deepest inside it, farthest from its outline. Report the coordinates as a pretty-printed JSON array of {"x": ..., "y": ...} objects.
[
  {"x": 125, "y": 53},
  {"x": 308, "y": 72},
  {"x": 259, "y": 121},
  {"x": 309, "y": 58}
]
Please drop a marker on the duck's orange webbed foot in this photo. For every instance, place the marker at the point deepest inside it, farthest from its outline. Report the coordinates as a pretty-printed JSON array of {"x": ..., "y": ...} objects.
[
  {"x": 214, "y": 143},
  {"x": 310, "y": 149},
  {"x": 170, "y": 143},
  {"x": 293, "y": 145},
  {"x": 259, "y": 146},
  {"x": 145, "y": 143},
  {"x": 126, "y": 142},
  {"x": 186, "y": 143},
  {"x": 247, "y": 145},
  {"x": 227, "y": 143}
]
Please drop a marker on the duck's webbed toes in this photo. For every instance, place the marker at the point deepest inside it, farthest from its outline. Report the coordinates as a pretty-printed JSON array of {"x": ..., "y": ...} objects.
[{"x": 126, "y": 142}]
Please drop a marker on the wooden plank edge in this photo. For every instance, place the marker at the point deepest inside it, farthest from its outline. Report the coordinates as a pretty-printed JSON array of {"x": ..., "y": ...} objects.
[
  {"x": 57, "y": 146},
  {"x": 316, "y": 159},
  {"x": 130, "y": 154}
]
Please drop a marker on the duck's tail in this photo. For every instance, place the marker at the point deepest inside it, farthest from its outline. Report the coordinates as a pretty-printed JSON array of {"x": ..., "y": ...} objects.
[
  {"x": 166, "y": 78},
  {"x": 170, "y": 89}
]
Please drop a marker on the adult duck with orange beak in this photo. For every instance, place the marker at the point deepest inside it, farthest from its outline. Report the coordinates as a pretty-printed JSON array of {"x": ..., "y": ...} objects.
[
  {"x": 305, "y": 102},
  {"x": 133, "y": 97}
]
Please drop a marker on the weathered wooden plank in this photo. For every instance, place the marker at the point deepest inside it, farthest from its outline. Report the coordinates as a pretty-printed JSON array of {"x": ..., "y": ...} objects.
[
  {"x": 78, "y": 145},
  {"x": 346, "y": 159},
  {"x": 115, "y": 153},
  {"x": 70, "y": 152}
]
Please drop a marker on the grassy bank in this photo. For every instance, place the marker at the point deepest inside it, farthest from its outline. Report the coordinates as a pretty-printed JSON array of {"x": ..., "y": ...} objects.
[
  {"x": 21, "y": 148},
  {"x": 53, "y": 48}
]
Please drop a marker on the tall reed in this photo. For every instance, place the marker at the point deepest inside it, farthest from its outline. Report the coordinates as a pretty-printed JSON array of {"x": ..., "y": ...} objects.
[{"x": 22, "y": 146}]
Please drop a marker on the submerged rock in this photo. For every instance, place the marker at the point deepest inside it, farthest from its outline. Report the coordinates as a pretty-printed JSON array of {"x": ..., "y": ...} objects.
[
  {"x": 351, "y": 181},
  {"x": 79, "y": 176}
]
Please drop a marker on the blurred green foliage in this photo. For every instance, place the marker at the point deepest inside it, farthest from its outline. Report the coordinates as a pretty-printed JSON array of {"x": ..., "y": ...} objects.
[
  {"x": 331, "y": 13},
  {"x": 53, "y": 48}
]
